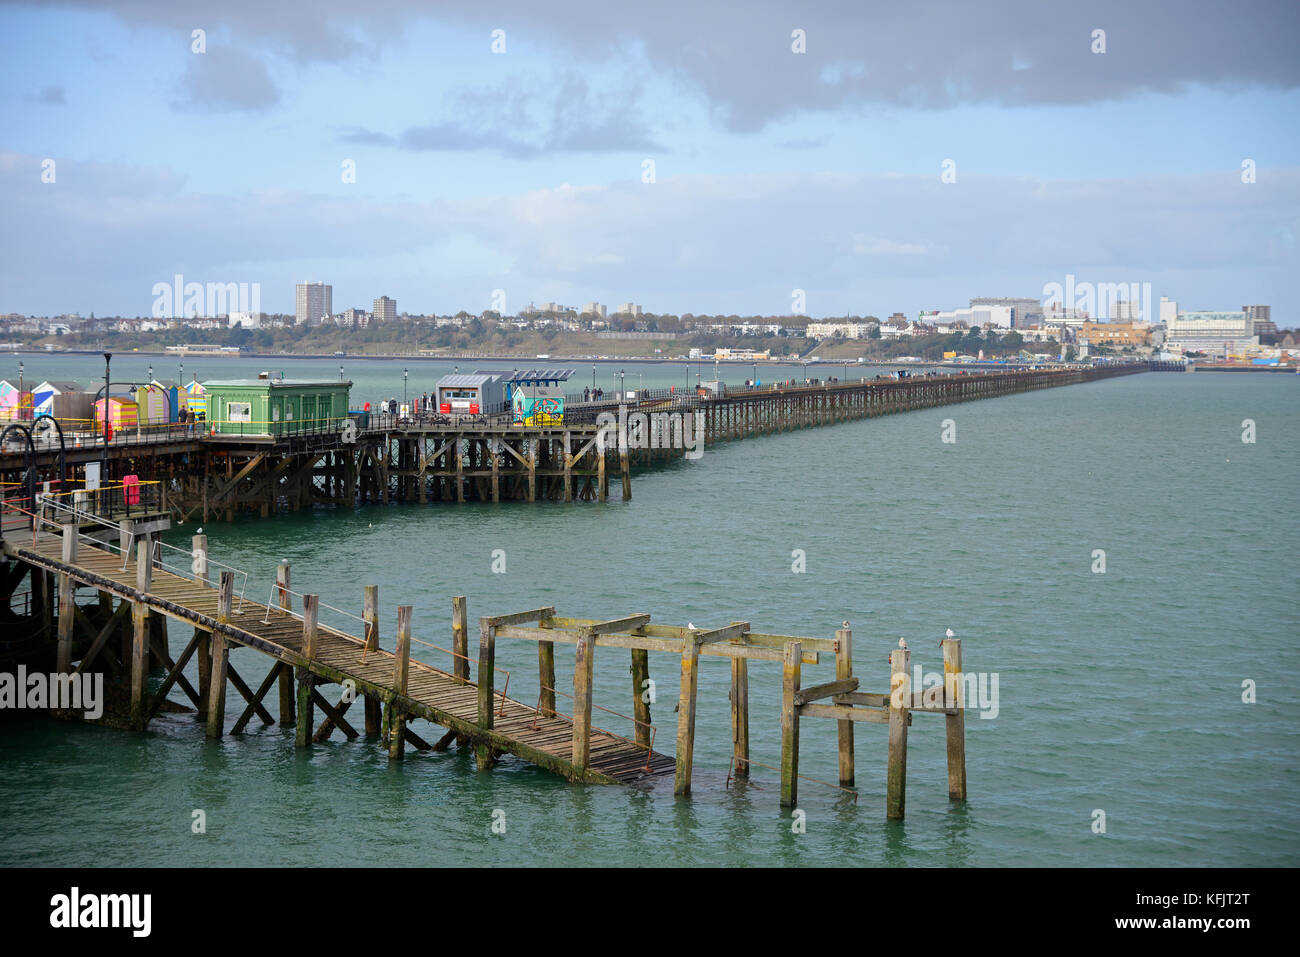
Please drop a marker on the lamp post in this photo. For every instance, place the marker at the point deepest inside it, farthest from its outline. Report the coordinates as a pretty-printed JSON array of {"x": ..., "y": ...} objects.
[
  {"x": 404, "y": 375},
  {"x": 593, "y": 379},
  {"x": 180, "y": 374},
  {"x": 340, "y": 373},
  {"x": 753, "y": 383},
  {"x": 103, "y": 458},
  {"x": 620, "y": 385},
  {"x": 20, "y": 388},
  {"x": 150, "y": 373}
]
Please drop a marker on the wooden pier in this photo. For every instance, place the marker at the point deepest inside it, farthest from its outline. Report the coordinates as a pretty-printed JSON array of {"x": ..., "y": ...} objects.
[
  {"x": 425, "y": 460},
  {"x": 122, "y": 634}
]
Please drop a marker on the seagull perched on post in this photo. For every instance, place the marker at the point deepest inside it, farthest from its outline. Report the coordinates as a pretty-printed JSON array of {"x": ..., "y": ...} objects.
[
  {"x": 951, "y": 634},
  {"x": 902, "y": 643}
]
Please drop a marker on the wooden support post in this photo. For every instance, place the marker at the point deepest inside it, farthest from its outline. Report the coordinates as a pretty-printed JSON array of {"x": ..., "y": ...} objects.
[
  {"x": 790, "y": 676},
  {"x": 401, "y": 668},
  {"x": 288, "y": 714},
  {"x": 486, "y": 666},
  {"x": 220, "y": 652},
  {"x": 686, "y": 715},
  {"x": 568, "y": 469},
  {"x": 203, "y": 651},
  {"x": 740, "y": 716},
  {"x": 460, "y": 637},
  {"x": 199, "y": 552},
  {"x": 546, "y": 676},
  {"x": 67, "y": 592},
  {"x": 140, "y": 635},
  {"x": 955, "y": 723},
  {"x": 307, "y": 680},
  {"x": 583, "y": 671},
  {"x": 370, "y": 615},
  {"x": 602, "y": 480},
  {"x": 844, "y": 671},
  {"x": 641, "y": 695},
  {"x": 900, "y": 694}
]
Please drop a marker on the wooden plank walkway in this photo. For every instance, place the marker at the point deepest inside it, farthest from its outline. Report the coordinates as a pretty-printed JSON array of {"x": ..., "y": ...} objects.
[{"x": 432, "y": 694}]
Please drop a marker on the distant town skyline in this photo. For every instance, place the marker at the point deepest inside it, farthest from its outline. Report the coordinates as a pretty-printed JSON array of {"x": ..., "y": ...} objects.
[{"x": 867, "y": 161}]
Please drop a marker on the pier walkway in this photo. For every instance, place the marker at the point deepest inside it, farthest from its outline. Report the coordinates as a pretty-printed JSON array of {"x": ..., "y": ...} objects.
[{"x": 412, "y": 687}]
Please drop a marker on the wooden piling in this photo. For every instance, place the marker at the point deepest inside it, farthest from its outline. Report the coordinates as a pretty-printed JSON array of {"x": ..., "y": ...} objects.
[
  {"x": 740, "y": 716},
  {"x": 686, "y": 715},
  {"x": 307, "y": 680},
  {"x": 844, "y": 671},
  {"x": 199, "y": 552},
  {"x": 401, "y": 669},
  {"x": 486, "y": 668},
  {"x": 583, "y": 672},
  {"x": 792, "y": 665},
  {"x": 220, "y": 653},
  {"x": 640, "y": 692},
  {"x": 288, "y": 713},
  {"x": 370, "y": 615},
  {"x": 900, "y": 696},
  {"x": 546, "y": 676},
  {"x": 955, "y": 724},
  {"x": 140, "y": 634},
  {"x": 460, "y": 637},
  {"x": 67, "y": 609}
]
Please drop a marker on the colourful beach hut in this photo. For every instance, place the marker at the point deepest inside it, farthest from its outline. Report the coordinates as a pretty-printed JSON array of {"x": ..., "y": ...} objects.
[
  {"x": 174, "y": 395},
  {"x": 195, "y": 397},
  {"x": 14, "y": 404},
  {"x": 151, "y": 405},
  {"x": 123, "y": 413}
]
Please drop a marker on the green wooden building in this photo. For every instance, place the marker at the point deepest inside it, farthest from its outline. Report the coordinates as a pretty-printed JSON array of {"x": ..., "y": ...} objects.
[{"x": 275, "y": 407}]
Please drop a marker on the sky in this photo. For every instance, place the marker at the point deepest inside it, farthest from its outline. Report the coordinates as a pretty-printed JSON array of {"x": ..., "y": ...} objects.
[{"x": 721, "y": 158}]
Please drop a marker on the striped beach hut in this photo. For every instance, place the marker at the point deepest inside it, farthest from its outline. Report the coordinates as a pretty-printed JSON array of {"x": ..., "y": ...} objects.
[
  {"x": 14, "y": 404},
  {"x": 123, "y": 413},
  {"x": 195, "y": 397}
]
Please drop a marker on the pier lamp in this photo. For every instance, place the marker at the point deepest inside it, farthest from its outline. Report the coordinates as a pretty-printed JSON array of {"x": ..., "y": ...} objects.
[
  {"x": 404, "y": 374},
  {"x": 150, "y": 373},
  {"x": 593, "y": 378},
  {"x": 20, "y": 387},
  {"x": 180, "y": 373},
  {"x": 103, "y": 458},
  {"x": 340, "y": 373},
  {"x": 753, "y": 383},
  {"x": 620, "y": 385}
]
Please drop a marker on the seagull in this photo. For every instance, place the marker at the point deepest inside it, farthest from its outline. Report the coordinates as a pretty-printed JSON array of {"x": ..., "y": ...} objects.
[
  {"x": 200, "y": 531},
  {"x": 691, "y": 625},
  {"x": 846, "y": 623},
  {"x": 902, "y": 643},
  {"x": 951, "y": 634}
]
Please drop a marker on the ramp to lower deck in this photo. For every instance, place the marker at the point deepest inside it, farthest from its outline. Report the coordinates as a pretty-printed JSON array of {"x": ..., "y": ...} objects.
[{"x": 432, "y": 694}]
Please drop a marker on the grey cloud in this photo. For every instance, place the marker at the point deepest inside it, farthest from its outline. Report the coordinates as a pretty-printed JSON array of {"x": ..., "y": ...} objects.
[
  {"x": 930, "y": 54},
  {"x": 365, "y": 137},
  {"x": 50, "y": 96},
  {"x": 519, "y": 123},
  {"x": 226, "y": 78}
]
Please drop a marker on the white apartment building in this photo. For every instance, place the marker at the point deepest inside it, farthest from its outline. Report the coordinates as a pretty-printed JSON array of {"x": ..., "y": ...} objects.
[
  {"x": 846, "y": 330},
  {"x": 595, "y": 309},
  {"x": 999, "y": 316},
  {"x": 629, "y": 309},
  {"x": 313, "y": 301},
  {"x": 385, "y": 309}
]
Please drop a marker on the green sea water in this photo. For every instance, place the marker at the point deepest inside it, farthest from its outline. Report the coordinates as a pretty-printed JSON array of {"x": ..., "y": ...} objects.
[{"x": 1119, "y": 692}]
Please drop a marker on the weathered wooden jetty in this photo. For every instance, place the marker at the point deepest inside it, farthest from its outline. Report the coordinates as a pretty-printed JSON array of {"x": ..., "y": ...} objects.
[
  {"x": 138, "y": 583},
  {"x": 386, "y": 458}
]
